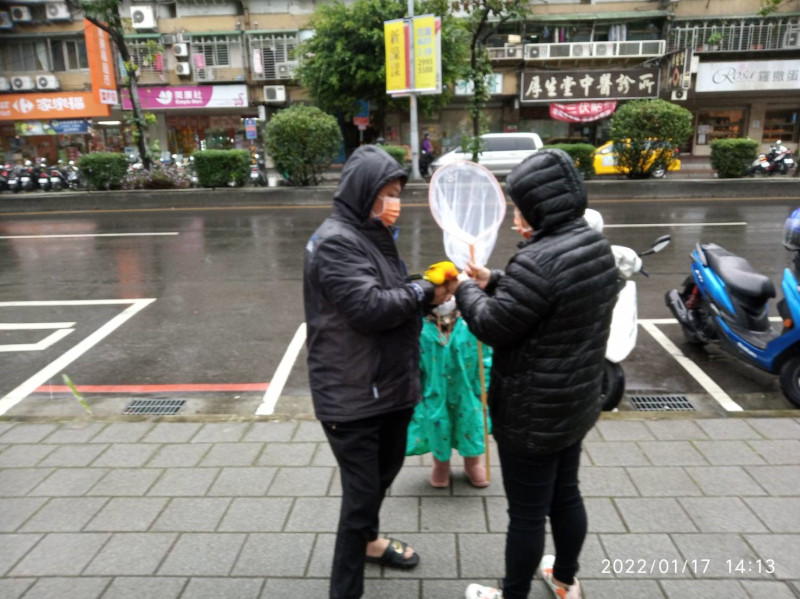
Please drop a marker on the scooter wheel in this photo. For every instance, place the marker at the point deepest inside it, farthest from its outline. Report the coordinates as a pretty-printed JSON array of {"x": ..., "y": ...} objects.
[
  {"x": 790, "y": 380},
  {"x": 613, "y": 385}
]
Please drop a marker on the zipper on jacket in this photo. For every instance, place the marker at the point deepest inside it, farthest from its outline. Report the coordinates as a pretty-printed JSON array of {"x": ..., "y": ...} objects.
[{"x": 375, "y": 391}]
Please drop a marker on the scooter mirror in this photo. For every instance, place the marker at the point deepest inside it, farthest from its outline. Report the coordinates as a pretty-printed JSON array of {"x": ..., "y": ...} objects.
[{"x": 658, "y": 245}]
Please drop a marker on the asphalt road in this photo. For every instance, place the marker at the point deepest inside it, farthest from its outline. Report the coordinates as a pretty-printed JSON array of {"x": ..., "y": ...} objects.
[{"x": 203, "y": 305}]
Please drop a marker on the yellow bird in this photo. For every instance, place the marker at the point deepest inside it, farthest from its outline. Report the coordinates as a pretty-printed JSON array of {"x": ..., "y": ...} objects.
[{"x": 440, "y": 272}]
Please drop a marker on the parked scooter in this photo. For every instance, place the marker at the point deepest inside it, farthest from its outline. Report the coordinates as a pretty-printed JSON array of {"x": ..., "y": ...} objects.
[
  {"x": 258, "y": 171},
  {"x": 43, "y": 175},
  {"x": 778, "y": 161},
  {"x": 15, "y": 178},
  {"x": 5, "y": 173},
  {"x": 624, "y": 320},
  {"x": 725, "y": 301},
  {"x": 73, "y": 176},
  {"x": 58, "y": 180},
  {"x": 27, "y": 176}
]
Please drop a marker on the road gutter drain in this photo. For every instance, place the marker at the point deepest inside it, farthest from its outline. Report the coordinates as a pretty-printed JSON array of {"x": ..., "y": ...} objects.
[
  {"x": 155, "y": 407},
  {"x": 661, "y": 403}
]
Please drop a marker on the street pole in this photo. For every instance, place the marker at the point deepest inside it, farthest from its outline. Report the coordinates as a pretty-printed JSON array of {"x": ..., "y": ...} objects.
[{"x": 412, "y": 106}]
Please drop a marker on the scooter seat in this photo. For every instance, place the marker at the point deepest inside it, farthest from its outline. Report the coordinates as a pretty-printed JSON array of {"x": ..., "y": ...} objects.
[{"x": 738, "y": 275}]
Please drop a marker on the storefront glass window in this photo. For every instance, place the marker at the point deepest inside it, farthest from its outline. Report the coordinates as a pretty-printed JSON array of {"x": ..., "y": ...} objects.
[
  {"x": 781, "y": 124},
  {"x": 718, "y": 124}
]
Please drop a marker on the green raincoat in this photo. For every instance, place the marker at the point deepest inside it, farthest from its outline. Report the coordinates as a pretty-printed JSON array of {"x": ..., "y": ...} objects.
[{"x": 450, "y": 415}]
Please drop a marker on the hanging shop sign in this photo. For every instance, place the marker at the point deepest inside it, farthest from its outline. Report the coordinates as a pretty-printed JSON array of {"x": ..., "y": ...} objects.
[
  {"x": 251, "y": 128},
  {"x": 48, "y": 105},
  {"x": 582, "y": 112},
  {"x": 101, "y": 69},
  {"x": 754, "y": 75},
  {"x": 67, "y": 127},
  {"x": 574, "y": 86},
  {"x": 189, "y": 96},
  {"x": 679, "y": 70}
]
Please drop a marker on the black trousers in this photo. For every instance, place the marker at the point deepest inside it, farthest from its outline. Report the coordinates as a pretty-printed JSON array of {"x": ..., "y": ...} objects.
[
  {"x": 370, "y": 453},
  {"x": 538, "y": 487}
]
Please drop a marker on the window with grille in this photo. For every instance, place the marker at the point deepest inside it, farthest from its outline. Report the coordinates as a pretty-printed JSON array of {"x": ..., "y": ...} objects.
[
  {"x": 215, "y": 50},
  {"x": 273, "y": 55},
  {"x": 144, "y": 57},
  {"x": 27, "y": 56},
  {"x": 68, "y": 55}
]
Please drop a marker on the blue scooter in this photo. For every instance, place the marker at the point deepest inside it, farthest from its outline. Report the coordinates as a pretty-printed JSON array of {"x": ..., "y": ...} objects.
[{"x": 725, "y": 301}]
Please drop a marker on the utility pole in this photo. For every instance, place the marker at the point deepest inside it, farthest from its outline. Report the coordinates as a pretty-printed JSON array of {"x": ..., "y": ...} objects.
[{"x": 412, "y": 107}]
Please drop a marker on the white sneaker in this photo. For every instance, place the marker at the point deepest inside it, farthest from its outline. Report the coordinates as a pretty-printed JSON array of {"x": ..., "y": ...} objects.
[
  {"x": 478, "y": 591},
  {"x": 546, "y": 570}
]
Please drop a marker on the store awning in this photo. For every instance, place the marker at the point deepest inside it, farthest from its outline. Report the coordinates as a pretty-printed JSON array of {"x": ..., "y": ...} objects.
[{"x": 626, "y": 15}]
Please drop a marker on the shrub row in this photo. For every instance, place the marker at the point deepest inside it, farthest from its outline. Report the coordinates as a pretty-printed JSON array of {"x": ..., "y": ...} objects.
[{"x": 582, "y": 154}]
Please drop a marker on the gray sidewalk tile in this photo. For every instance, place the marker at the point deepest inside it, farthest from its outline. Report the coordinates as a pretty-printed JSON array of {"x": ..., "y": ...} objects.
[
  {"x": 778, "y": 551},
  {"x": 725, "y": 480},
  {"x": 123, "y": 432},
  {"x": 239, "y": 482},
  {"x": 324, "y": 457},
  {"x": 672, "y": 453},
  {"x": 5, "y": 426},
  {"x": 706, "y": 554},
  {"x": 728, "y": 453},
  {"x": 391, "y": 589},
  {"x": 274, "y": 432},
  {"x": 453, "y": 514},
  {"x": 203, "y": 554},
  {"x": 19, "y": 481},
  {"x": 178, "y": 455},
  {"x": 24, "y": 455},
  {"x": 137, "y": 587},
  {"x": 274, "y": 554},
  {"x": 127, "y": 514},
  {"x": 622, "y": 430},
  {"x": 497, "y": 513},
  {"x": 676, "y": 430},
  {"x": 125, "y": 455},
  {"x": 232, "y": 454},
  {"x": 602, "y": 514},
  {"x": 481, "y": 555},
  {"x": 295, "y": 587},
  {"x": 221, "y": 432},
  {"x": 64, "y": 514},
  {"x": 27, "y": 433},
  {"x": 68, "y": 588},
  {"x": 314, "y": 514},
  {"x": 319, "y": 566},
  {"x": 632, "y": 556},
  {"x": 131, "y": 554},
  {"x": 777, "y": 480},
  {"x": 13, "y": 547},
  {"x": 75, "y": 432},
  {"x": 183, "y": 482},
  {"x": 460, "y": 485},
  {"x": 776, "y": 428},
  {"x": 606, "y": 482},
  {"x": 415, "y": 481},
  {"x": 297, "y": 482},
  {"x": 616, "y": 453},
  {"x": 172, "y": 432},
  {"x": 309, "y": 431},
  {"x": 778, "y": 451},
  {"x": 214, "y": 588},
  {"x": 780, "y": 514},
  {"x": 721, "y": 514},
  {"x": 654, "y": 515},
  {"x": 728, "y": 428},
  {"x": 401, "y": 514},
  {"x": 287, "y": 454},
  {"x": 74, "y": 455},
  {"x": 14, "y": 588},
  {"x": 14, "y": 511},
  {"x": 438, "y": 556},
  {"x": 663, "y": 482},
  {"x": 256, "y": 514},
  {"x": 622, "y": 589},
  {"x": 126, "y": 482},
  {"x": 69, "y": 481},
  {"x": 774, "y": 590},
  {"x": 192, "y": 514},
  {"x": 60, "y": 554},
  {"x": 703, "y": 589},
  {"x": 592, "y": 558}
]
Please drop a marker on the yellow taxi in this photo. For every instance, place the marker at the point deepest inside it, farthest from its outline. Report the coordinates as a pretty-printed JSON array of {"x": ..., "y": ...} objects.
[{"x": 605, "y": 160}]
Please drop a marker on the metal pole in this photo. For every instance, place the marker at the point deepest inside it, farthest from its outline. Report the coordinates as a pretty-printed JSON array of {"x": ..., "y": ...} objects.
[{"x": 412, "y": 103}]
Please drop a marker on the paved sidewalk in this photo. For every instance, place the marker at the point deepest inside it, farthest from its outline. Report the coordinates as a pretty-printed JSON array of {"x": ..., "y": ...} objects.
[{"x": 247, "y": 509}]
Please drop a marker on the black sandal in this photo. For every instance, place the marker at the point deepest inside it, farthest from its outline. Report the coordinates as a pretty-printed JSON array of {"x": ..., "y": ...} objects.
[{"x": 394, "y": 556}]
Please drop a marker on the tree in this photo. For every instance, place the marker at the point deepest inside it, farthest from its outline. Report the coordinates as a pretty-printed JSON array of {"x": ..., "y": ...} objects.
[
  {"x": 345, "y": 60},
  {"x": 484, "y": 18},
  {"x": 105, "y": 14},
  {"x": 645, "y": 133}
]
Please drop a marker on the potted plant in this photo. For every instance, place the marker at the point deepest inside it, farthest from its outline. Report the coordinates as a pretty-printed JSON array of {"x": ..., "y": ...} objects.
[{"x": 714, "y": 40}]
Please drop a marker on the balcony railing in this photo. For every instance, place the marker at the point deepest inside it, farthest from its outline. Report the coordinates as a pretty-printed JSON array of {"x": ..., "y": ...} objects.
[
  {"x": 744, "y": 35},
  {"x": 594, "y": 50}
]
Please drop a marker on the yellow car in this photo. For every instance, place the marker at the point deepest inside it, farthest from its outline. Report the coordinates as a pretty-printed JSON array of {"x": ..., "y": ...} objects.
[{"x": 605, "y": 161}]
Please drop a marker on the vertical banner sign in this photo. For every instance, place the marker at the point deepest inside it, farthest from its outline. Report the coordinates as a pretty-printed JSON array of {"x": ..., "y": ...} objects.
[
  {"x": 98, "y": 50},
  {"x": 425, "y": 59},
  {"x": 398, "y": 71}
]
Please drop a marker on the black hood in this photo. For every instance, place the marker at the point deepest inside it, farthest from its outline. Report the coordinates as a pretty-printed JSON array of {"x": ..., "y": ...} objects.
[
  {"x": 367, "y": 170},
  {"x": 548, "y": 189}
]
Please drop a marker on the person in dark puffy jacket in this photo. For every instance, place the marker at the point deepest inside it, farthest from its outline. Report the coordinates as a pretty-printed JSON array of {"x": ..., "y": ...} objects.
[
  {"x": 547, "y": 320},
  {"x": 363, "y": 325}
]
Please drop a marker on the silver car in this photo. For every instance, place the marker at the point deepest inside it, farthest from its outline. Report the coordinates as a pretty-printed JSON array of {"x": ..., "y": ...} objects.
[{"x": 501, "y": 152}]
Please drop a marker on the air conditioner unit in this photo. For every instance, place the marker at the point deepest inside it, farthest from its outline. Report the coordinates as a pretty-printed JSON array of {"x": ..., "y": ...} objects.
[
  {"x": 534, "y": 51},
  {"x": 679, "y": 95},
  {"x": 205, "y": 74},
  {"x": 57, "y": 11},
  {"x": 167, "y": 39},
  {"x": 22, "y": 83},
  {"x": 49, "y": 82},
  {"x": 180, "y": 49},
  {"x": 791, "y": 39},
  {"x": 603, "y": 49},
  {"x": 275, "y": 94},
  {"x": 5, "y": 84},
  {"x": 5, "y": 20},
  {"x": 184, "y": 69},
  {"x": 20, "y": 14},
  {"x": 143, "y": 17},
  {"x": 513, "y": 51},
  {"x": 581, "y": 50},
  {"x": 285, "y": 70}
]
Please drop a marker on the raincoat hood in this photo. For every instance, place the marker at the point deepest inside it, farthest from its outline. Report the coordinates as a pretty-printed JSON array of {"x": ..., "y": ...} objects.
[
  {"x": 367, "y": 170},
  {"x": 548, "y": 190}
]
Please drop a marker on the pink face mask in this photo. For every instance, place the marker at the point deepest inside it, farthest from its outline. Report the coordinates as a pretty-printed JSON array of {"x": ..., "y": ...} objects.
[{"x": 390, "y": 212}]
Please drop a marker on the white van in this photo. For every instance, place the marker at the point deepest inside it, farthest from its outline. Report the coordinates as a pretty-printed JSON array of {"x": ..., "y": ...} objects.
[{"x": 501, "y": 152}]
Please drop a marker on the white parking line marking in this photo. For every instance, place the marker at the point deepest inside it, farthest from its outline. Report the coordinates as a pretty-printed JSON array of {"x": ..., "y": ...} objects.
[
  {"x": 34, "y": 326},
  {"x": 88, "y": 235},
  {"x": 58, "y": 365},
  {"x": 40, "y": 345},
  {"x": 693, "y": 369},
  {"x": 275, "y": 388},
  {"x": 670, "y": 225}
]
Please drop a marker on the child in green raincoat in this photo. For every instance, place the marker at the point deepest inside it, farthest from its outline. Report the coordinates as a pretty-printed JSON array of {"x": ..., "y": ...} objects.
[{"x": 450, "y": 415}]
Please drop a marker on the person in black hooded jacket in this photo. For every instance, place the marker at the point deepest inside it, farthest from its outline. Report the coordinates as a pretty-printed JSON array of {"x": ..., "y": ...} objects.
[
  {"x": 547, "y": 320},
  {"x": 363, "y": 325}
]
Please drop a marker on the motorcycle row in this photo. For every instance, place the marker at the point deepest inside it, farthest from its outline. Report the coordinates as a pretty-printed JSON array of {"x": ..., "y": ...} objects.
[
  {"x": 777, "y": 161},
  {"x": 30, "y": 176}
]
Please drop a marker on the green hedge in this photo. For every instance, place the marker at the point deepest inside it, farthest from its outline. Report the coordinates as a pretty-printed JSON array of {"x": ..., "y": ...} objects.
[
  {"x": 398, "y": 153},
  {"x": 582, "y": 154},
  {"x": 221, "y": 168},
  {"x": 104, "y": 170},
  {"x": 731, "y": 158}
]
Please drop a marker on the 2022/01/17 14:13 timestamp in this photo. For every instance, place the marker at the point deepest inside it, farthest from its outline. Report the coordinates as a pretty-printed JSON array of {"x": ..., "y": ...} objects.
[{"x": 750, "y": 566}]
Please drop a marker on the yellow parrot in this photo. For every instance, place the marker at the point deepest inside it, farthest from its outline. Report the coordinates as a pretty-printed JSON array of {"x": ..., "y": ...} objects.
[{"x": 440, "y": 272}]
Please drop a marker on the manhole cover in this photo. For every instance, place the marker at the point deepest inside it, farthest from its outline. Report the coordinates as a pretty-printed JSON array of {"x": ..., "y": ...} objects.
[
  {"x": 158, "y": 407},
  {"x": 661, "y": 403}
]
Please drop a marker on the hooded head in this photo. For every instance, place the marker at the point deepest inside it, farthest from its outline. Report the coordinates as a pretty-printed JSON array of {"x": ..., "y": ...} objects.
[
  {"x": 365, "y": 173},
  {"x": 548, "y": 189}
]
